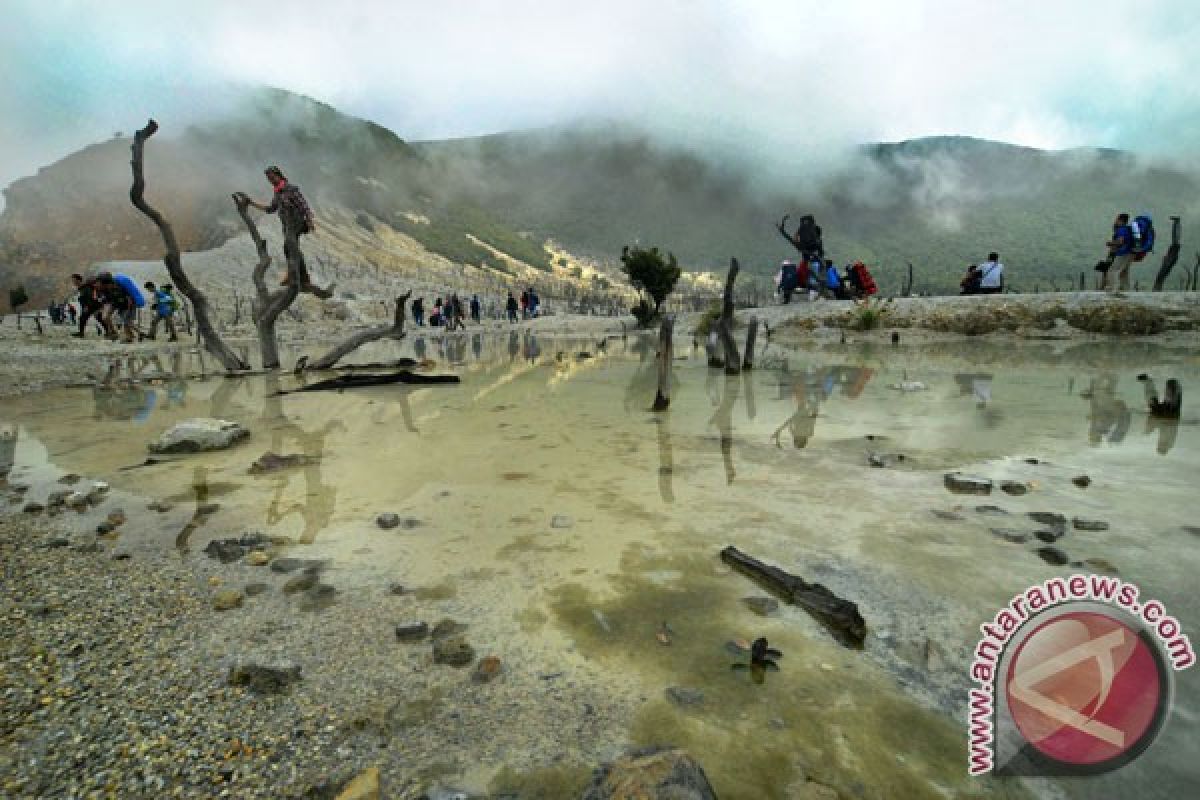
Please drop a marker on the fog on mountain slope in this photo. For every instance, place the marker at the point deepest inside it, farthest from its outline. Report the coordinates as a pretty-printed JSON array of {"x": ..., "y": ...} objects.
[{"x": 938, "y": 203}]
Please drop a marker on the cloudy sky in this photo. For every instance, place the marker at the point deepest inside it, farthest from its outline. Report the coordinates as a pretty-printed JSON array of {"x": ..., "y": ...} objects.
[{"x": 787, "y": 74}]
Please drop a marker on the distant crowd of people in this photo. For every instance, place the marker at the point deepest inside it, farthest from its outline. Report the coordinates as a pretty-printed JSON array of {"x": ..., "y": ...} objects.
[
  {"x": 816, "y": 273},
  {"x": 451, "y": 313}
]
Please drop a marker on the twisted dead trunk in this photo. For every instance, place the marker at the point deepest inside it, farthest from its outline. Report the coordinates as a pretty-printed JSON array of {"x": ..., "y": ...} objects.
[
  {"x": 267, "y": 305},
  {"x": 212, "y": 340},
  {"x": 666, "y": 355}
]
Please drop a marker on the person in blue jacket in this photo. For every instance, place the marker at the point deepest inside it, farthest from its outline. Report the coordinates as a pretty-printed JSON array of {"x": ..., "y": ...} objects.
[{"x": 164, "y": 310}]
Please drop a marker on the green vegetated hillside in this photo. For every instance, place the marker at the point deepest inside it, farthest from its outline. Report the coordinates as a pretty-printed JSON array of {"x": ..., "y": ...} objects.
[{"x": 939, "y": 203}]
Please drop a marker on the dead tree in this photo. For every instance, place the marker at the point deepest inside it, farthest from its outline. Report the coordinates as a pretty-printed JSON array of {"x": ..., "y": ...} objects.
[
  {"x": 666, "y": 355},
  {"x": 1168, "y": 262},
  {"x": 212, "y": 340},
  {"x": 393, "y": 331},
  {"x": 908, "y": 284},
  {"x": 733, "y": 359},
  {"x": 751, "y": 336},
  {"x": 267, "y": 305}
]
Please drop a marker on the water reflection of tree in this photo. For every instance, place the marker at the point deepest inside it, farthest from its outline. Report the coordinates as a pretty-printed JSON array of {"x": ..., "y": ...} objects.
[
  {"x": 723, "y": 419},
  {"x": 8, "y": 448},
  {"x": 320, "y": 498}
]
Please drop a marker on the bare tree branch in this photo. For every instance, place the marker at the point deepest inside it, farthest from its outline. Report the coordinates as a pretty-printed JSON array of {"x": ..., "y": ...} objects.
[
  {"x": 212, "y": 340},
  {"x": 393, "y": 331}
]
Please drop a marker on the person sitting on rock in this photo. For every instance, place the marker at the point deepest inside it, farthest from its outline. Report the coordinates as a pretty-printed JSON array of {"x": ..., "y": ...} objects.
[{"x": 991, "y": 275}]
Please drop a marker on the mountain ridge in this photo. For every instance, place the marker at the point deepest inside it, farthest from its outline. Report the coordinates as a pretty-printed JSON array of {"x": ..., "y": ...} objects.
[{"x": 938, "y": 202}]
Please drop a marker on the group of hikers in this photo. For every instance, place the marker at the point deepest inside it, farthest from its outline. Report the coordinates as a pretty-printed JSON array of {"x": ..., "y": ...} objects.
[
  {"x": 112, "y": 302},
  {"x": 816, "y": 273}
]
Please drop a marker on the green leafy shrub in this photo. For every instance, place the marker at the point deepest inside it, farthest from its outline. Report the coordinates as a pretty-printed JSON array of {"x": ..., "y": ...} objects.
[{"x": 649, "y": 272}]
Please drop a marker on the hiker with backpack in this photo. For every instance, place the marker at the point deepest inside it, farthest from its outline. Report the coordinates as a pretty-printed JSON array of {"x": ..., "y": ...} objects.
[
  {"x": 165, "y": 305},
  {"x": 91, "y": 303},
  {"x": 807, "y": 239},
  {"x": 1131, "y": 242},
  {"x": 296, "y": 217}
]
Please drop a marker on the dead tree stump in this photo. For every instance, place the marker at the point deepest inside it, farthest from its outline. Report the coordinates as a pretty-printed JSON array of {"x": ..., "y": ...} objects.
[
  {"x": 393, "y": 331},
  {"x": 666, "y": 355},
  {"x": 733, "y": 359}
]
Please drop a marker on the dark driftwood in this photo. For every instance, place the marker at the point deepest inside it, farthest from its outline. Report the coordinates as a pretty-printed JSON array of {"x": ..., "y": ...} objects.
[
  {"x": 361, "y": 381},
  {"x": 267, "y": 305},
  {"x": 733, "y": 360},
  {"x": 1168, "y": 262},
  {"x": 393, "y": 331},
  {"x": 666, "y": 355},
  {"x": 838, "y": 615},
  {"x": 212, "y": 340}
]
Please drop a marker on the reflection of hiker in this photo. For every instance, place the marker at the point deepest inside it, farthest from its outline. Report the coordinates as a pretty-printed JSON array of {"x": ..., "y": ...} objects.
[
  {"x": 296, "y": 217},
  {"x": 510, "y": 306},
  {"x": 418, "y": 311},
  {"x": 803, "y": 422},
  {"x": 1120, "y": 250},
  {"x": 991, "y": 275},
  {"x": 978, "y": 384},
  {"x": 164, "y": 303},
  {"x": 475, "y": 308}
]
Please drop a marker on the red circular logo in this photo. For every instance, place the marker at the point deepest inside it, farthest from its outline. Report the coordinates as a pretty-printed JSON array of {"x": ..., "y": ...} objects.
[{"x": 1085, "y": 689}]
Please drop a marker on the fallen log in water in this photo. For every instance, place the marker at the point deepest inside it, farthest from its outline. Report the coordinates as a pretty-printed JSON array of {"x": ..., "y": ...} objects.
[
  {"x": 840, "y": 616},
  {"x": 360, "y": 381}
]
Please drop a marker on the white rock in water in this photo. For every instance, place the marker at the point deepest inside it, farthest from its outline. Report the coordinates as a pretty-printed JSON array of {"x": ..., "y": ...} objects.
[
  {"x": 99, "y": 487},
  {"x": 199, "y": 435},
  {"x": 909, "y": 386}
]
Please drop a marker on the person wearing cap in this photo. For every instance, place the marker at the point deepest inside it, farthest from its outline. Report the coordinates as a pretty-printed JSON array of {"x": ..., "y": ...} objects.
[{"x": 296, "y": 217}]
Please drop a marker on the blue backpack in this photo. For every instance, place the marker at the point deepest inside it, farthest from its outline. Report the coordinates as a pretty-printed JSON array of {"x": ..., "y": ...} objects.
[
  {"x": 131, "y": 288},
  {"x": 1143, "y": 236}
]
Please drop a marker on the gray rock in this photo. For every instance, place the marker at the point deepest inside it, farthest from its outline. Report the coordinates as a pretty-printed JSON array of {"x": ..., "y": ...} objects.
[
  {"x": 77, "y": 501},
  {"x": 318, "y": 598},
  {"x": 228, "y": 599},
  {"x": 302, "y": 582},
  {"x": 561, "y": 521},
  {"x": 763, "y": 606},
  {"x": 412, "y": 631},
  {"x": 967, "y": 484},
  {"x": 946, "y": 515},
  {"x": 1082, "y": 481},
  {"x": 56, "y": 541},
  {"x": 996, "y": 510},
  {"x": 1011, "y": 535},
  {"x": 1082, "y": 524},
  {"x": 453, "y": 651},
  {"x": 199, "y": 435},
  {"x": 33, "y": 508},
  {"x": 264, "y": 678},
  {"x": 58, "y": 498},
  {"x": 397, "y": 589},
  {"x": 1053, "y": 556},
  {"x": 684, "y": 697},
  {"x": 273, "y": 462},
  {"x": 1015, "y": 488},
  {"x": 447, "y": 627},
  {"x": 70, "y": 479},
  {"x": 656, "y": 773},
  {"x": 293, "y": 564},
  {"x": 439, "y": 793},
  {"x": 1050, "y": 537},
  {"x": 1049, "y": 518},
  {"x": 388, "y": 521},
  {"x": 255, "y": 589}
]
